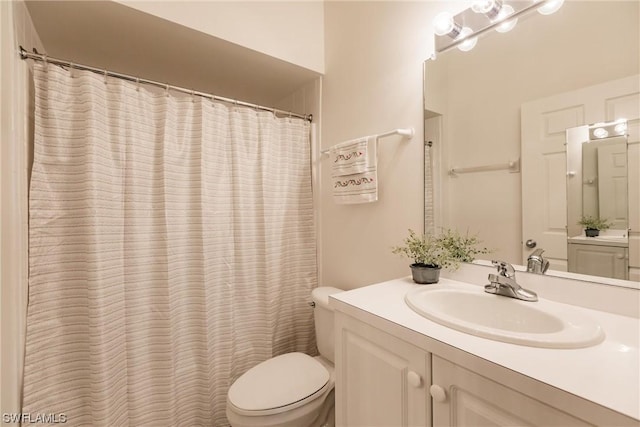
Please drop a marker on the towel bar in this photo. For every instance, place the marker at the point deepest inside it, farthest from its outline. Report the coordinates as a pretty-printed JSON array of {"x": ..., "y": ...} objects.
[
  {"x": 513, "y": 166},
  {"x": 406, "y": 132}
]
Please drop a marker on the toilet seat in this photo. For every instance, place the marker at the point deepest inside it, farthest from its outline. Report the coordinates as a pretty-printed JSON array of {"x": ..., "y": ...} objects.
[{"x": 278, "y": 385}]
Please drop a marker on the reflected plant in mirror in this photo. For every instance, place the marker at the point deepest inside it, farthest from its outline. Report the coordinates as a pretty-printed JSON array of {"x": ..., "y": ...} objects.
[
  {"x": 528, "y": 98},
  {"x": 592, "y": 225}
]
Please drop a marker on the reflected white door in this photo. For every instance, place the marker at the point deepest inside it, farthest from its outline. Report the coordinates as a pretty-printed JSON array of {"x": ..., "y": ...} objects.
[
  {"x": 544, "y": 170},
  {"x": 612, "y": 184},
  {"x": 544, "y": 195}
]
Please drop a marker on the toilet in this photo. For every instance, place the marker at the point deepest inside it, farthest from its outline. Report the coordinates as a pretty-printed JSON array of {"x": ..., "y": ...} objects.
[{"x": 293, "y": 389}]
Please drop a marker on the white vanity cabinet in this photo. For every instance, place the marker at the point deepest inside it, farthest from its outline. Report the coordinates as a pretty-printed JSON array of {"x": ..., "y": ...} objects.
[
  {"x": 599, "y": 260},
  {"x": 389, "y": 374},
  {"x": 380, "y": 379},
  {"x": 464, "y": 398}
]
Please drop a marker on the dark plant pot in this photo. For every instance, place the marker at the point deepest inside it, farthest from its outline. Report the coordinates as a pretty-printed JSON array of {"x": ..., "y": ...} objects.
[
  {"x": 424, "y": 274},
  {"x": 591, "y": 232}
]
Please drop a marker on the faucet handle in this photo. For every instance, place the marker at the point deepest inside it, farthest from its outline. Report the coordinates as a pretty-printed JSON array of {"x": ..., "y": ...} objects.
[{"x": 505, "y": 269}]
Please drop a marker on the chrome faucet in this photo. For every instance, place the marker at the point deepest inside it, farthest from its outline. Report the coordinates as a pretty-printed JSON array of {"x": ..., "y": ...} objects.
[
  {"x": 504, "y": 283},
  {"x": 536, "y": 263}
]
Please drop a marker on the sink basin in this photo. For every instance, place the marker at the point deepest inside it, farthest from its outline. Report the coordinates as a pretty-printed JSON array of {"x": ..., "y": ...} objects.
[{"x": 536, "y": 324}]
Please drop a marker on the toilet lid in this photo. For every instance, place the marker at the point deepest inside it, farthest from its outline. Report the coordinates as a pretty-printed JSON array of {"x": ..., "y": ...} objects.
[{"x": 277, "y": 382}]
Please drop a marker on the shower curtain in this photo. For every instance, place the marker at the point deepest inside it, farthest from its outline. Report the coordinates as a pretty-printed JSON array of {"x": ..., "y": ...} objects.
[{"x": 172, "y": 248}]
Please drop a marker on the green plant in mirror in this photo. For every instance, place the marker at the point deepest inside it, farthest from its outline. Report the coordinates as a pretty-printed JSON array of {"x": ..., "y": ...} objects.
[
  {"x": 594, "y": 223},
  {"x": 446, "y": 250}
]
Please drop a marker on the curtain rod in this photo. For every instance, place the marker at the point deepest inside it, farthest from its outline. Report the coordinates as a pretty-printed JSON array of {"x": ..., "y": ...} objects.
[{"x": 44, "y": 58}]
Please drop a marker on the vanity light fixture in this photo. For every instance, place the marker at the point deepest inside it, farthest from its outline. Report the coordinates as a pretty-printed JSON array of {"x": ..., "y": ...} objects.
[{"x": 463, "y": 29}]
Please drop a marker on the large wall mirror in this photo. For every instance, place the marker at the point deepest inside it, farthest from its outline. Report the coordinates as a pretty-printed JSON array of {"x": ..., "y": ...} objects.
[{"x": 500, "y": 116}]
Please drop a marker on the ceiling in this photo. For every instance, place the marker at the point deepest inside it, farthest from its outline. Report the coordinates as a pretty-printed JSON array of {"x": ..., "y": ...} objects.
[{"x": 110, "y": 35}]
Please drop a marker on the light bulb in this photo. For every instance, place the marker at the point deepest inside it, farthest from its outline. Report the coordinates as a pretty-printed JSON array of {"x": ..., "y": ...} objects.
[
  {"x": 443, "y": 25},
  {"x": 482, "y": 6},
  {"x": 505, "y": 25},
  {"x": 487, "y": 6},
  {"x": 490, "y": 8},
  {"x": 600, "y": 133},
  {"x": 550, "y": 6},
  {"x": 620, "y": 128},
  {"x": 469, "y": 43}
]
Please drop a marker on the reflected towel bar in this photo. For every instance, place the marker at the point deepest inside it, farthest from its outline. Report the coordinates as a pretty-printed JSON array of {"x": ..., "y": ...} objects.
[
  {"x": 513, "y": 166},
  {"x": 406, "y": 132}
]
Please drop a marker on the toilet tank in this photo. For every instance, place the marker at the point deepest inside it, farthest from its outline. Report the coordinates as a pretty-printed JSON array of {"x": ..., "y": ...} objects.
[{"x": 323, "y": 316}]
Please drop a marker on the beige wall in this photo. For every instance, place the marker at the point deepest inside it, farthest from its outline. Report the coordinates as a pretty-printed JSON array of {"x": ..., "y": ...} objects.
[
  {"x": 553, "y": 54},
  {"x": 287, "y": 30},
  {"x": 16, "y": 118},
  {"x": 373, "y": 83}
]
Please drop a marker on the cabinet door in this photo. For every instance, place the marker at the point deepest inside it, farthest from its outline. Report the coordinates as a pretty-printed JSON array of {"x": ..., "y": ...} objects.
[
  {"x": 472, "y": 400},
  {"x": 596, "y": 260},
  {"x": 380, "y": 380}
]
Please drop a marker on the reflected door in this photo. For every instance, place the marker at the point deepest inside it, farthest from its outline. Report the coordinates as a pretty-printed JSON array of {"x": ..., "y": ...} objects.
[
  {"x": 544, "y": 170},
  {"x": 612, "y": 183},
  {"x": 544, "y": 204}
]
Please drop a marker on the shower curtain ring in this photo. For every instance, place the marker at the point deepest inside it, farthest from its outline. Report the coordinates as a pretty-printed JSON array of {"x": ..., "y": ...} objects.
[
  {"x": 193, "y": 95},
  {"x": 45, "y": 59},
  {"x": 105, "y": 76},
  {"x": 71, "y": 70},
  {"x": 166, "y": 90},
  {"x": 137, "y": 84}
]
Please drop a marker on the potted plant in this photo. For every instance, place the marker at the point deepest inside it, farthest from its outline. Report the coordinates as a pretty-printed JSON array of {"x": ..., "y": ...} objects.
[
  {"x": 431, "y": 253},
  {"x": 592, "y": 225}
]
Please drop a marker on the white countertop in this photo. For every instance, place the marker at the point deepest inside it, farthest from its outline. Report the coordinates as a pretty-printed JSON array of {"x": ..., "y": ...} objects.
[
  {"x": 619, "y": 241},
  {"x": 607, "y": 374}
]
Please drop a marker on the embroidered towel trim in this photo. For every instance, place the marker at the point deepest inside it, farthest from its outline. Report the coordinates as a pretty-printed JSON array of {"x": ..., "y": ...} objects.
[
  {"x": 361, "y": 184},
  {"x": 349, "y": 157}
]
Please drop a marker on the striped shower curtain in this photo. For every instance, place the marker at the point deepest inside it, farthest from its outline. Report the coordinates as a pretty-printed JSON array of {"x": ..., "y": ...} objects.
[{"x": 172, "y": 247}]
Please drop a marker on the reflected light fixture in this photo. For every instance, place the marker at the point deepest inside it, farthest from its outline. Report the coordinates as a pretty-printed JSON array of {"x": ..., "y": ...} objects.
[
  {"x": 606, "y": 130},
  {"x": 550, "y": 6}
]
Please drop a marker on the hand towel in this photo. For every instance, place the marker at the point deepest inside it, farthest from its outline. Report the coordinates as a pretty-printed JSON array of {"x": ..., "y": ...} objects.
[{"x": 355, "y": 171}]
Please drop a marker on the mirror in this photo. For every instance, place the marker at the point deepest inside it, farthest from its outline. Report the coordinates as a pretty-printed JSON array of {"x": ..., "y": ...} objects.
[
  {"x": 597, "y": 200},
  {"x": 474, "y": 106},
  {"x": 604, "y": 181}
]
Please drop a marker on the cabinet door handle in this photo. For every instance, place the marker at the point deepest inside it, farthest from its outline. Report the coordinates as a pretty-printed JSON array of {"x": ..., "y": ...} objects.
[
  {"x": 438, "y": 393},
  {"x": 414, "y": 379}
]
